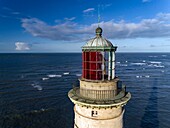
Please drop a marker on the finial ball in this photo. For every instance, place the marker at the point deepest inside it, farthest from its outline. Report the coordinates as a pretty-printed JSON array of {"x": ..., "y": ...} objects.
[{"x": 99, "y": 31}]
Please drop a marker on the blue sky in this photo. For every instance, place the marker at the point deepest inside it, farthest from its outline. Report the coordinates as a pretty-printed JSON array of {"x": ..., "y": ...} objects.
[{"x": 65, "y": 26}]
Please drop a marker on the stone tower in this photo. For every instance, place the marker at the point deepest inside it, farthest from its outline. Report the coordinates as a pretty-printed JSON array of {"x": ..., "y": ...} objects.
[{"x": 100, "y": 96}]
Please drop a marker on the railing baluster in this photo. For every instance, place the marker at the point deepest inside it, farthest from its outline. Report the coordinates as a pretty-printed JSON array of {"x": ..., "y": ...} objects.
[{"x": 98, "y": 94}]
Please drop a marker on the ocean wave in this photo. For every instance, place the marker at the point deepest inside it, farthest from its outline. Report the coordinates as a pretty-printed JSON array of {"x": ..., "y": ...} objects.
[
  {"x": 38, "y": 87},
  {"x": 45, "y": 78},
  {"x": 118, "y": 62},
  {"x": 41, "y": 110},
  {"x": 78, "y": 74},
  {"x": 123, "y": 65},
  {"x": 155, "y": 65},
  {"x": 164, "y": 55},
  {"x": 138, "y": 64},
  {"x": 155, "y": 62},
  {"x": 147, "y": 76},
  {"x": 52, "y": 76},
  {"x": 66, "y": 73},
  {"x": 138, "y": 76},
  {"x": 153, "y": 56},
  {"x": 159, "y": 66}
]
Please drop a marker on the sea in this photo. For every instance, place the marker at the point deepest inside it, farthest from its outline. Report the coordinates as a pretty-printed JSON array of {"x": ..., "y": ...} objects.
[{"x": 34, "y": 87}]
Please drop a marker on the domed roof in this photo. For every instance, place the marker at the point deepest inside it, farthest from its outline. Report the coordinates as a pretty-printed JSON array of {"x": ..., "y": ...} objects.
[{"x": 98, "y": 42}]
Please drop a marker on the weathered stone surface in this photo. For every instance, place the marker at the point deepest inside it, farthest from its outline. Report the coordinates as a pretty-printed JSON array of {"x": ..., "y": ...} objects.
[{"x": 105, "y": 118}]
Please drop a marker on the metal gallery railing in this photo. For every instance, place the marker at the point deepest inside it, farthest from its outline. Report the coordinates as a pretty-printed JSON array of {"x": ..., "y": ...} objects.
[
  {"x": 100, "y": 94},
  {"x": 97, "y": 94}
]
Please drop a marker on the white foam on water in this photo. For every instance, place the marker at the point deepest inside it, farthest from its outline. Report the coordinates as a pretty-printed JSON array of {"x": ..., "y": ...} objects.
[
  {"x": 153, "y": 56},
  {"x": 155, "y": 62},
  {"x": 124, "y": 65},
  {"x": 138, "y": 76},
  {"x": 45, "y": 78},
  {"x": 38, "y": 87},
  {"x": 52, "y": 76},
  {"x": 164, "y": 55},
  {"x": 66, "y": 73},
  {"x": 162, "y": 71},
  {"x": 58, "y": 75},
  {"x": 140, "y": 64},
  {"x": 35, "y": 111},
  {"x": 42, "y": 109},
  {"x": 144, "y": 61},
  {"x": 118, "y": 62},
  {"x": 126, "y": 61},
  {"x": 159, "y": 66},
  {"x": 78, "y": 74},
  {"x": 147, "y": 76}
]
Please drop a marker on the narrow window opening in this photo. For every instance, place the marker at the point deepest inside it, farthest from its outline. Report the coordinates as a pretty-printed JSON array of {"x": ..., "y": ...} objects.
[{"x": 94, "y": 113}]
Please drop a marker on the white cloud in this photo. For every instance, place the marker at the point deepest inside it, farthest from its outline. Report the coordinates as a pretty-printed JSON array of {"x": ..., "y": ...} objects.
[
  {"x": 144, "y": 1},
  {"x": 65, "y": 31},
  {"x": 70, "y": 19},
  {"x": 163, "y": 16},
  {"x": 88, "y": 10},
  {"x": 103, "y": 6},
  {"x": 15, "y": 13},
  {"x": 159, "y": 26},
  {"x": 160, "y": 46},
  {"x": 21, "y": 46}
]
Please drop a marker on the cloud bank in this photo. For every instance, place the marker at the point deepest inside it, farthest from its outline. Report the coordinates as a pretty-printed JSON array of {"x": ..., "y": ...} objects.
[
  {"x": 156, "y": 27},
  {"x": 21, "y": 46}
]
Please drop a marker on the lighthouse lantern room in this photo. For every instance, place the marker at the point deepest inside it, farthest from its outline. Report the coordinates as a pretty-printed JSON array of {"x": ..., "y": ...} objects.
[
  {"x": 98, "y": 58},
  {"x": 99, "y": 97}
]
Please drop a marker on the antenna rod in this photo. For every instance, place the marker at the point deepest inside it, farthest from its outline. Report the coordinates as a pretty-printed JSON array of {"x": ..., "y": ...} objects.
[{"x": 98, "y": 15}]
